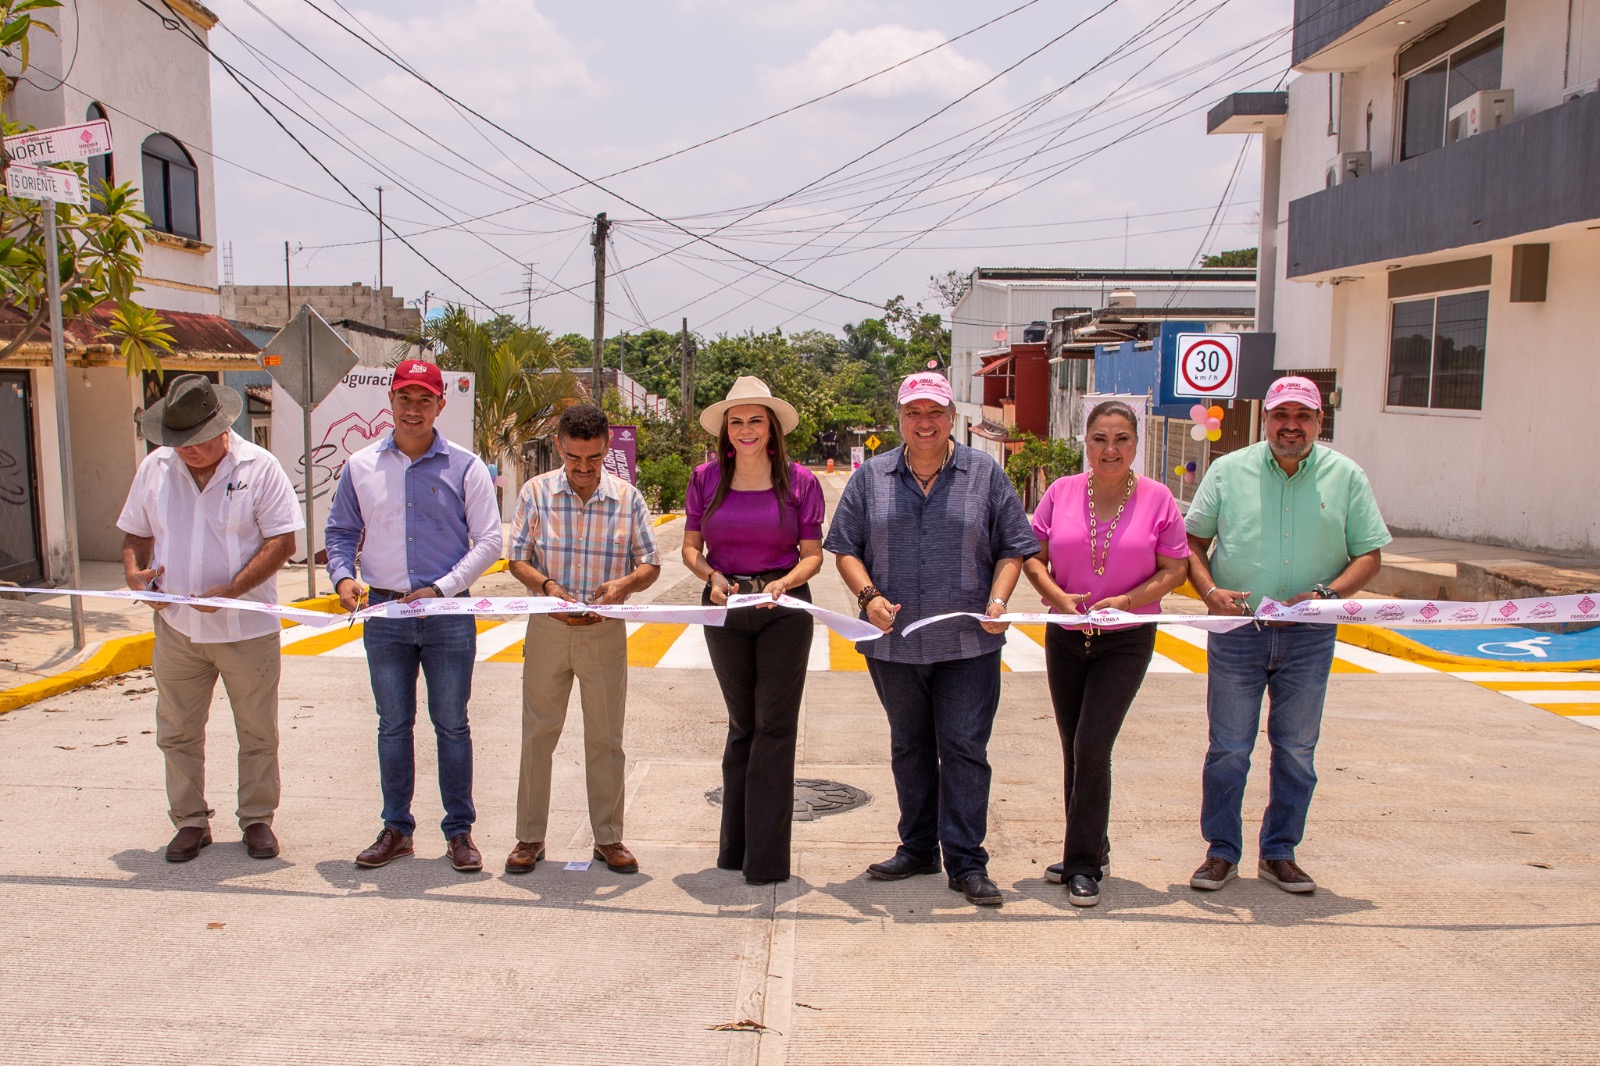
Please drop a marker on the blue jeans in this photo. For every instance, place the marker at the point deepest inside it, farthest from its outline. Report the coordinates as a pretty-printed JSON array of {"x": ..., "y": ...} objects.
[
  {"x": 940, "y": 717},
  {"x": 445, "y": 647},
  {"x": 1291, "y": 663}
]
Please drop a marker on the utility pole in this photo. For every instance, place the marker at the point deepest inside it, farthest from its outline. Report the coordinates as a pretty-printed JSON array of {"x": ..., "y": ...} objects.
[
  {"x": 383, "y": 307},
  {"x": 527, "y": 286},
  {"x": 602, "y": 229},
  {"x": 288, "y": 288},
  {"x": 686, "y": 375}
]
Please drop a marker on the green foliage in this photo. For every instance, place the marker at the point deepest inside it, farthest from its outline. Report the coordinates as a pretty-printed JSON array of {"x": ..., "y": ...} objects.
[
  {"x": 668, "y": 475},
  {"x": 1053, "y": 458},
  {"x": 16, "y": 22},
  {"x": 141, "y": 335},
  {"x": 1238, "y": 257}
]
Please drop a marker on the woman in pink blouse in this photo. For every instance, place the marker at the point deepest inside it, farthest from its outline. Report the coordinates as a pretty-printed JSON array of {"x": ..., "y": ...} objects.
[
  {"x": 1108, "y": 538},
  {"x": 754, "y": 524}
]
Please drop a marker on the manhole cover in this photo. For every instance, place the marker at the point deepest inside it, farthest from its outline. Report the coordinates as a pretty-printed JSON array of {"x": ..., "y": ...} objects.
[{"x": 814, "y": 798}]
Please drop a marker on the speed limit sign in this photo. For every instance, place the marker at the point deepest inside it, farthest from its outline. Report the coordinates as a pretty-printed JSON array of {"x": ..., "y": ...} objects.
[{"x": 1208, "y": 366}]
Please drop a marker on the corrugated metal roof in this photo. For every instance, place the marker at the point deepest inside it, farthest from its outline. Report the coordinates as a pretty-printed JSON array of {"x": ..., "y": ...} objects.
[{"x": 194, "y": 335}]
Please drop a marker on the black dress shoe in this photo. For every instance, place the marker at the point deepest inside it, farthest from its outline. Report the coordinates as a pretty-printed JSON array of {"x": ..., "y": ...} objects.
[
  {"x": 977, "y": 888},
  {"x": 901, "y": 867},
  {"x": 187, "y": 844},
  {"x": 259, "y": 841},
  {"x": 1083, "y": 891}
]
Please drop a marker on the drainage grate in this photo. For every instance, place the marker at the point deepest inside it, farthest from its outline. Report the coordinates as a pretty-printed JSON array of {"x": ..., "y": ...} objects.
[{"x": 814, "y": 798}]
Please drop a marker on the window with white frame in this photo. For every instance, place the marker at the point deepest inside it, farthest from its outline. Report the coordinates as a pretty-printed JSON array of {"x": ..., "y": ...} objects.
[
  {"x": 1431, "y": 92},
  {"x": 1437, "y": 351},
  {"x": 1583, "y": 42}
]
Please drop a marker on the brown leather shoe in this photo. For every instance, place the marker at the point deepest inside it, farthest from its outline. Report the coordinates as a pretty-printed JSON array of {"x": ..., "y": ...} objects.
[
  {"x": 259, "y": 841},
  {"x": 1213, "y": 874},
  {"x": 1286, "y": 875},
  {"x": 389, "y": 846},
  {"x": 524, "y": 857},
  {"x": 187, "y": 844},
  {"x": 463, "y": 856},
  {"x": 617, "y": 857}
]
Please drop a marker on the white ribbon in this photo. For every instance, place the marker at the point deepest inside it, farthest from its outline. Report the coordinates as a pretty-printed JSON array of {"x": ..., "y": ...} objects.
[
  {"x": 847, "y": 626},
  {"x": 1386, "y": 614}
]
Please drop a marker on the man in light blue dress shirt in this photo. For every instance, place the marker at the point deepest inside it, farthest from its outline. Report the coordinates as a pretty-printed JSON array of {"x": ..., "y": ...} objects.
[{"x": 421, "y": 513}]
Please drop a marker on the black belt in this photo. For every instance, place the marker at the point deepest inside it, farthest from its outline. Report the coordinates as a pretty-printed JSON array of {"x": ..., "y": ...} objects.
[
  {"x": 377, "y": 595},
  {"x": 756, "y": 582}
]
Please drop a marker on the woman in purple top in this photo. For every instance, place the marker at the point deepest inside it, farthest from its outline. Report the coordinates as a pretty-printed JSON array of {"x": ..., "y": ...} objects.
[
  {"x": 1116, "y": 540},
  {"x": 755, "y": 525}
]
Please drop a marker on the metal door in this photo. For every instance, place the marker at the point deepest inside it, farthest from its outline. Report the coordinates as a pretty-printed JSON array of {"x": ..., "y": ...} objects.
[{"x": 19, "y": 482}]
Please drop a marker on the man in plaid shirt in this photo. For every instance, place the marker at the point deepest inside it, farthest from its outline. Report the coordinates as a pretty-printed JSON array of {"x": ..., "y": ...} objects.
[{"x": 583, "y": 535}]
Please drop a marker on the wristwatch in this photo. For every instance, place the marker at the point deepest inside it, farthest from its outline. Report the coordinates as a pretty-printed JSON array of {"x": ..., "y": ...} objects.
[{"x": 1324, "y": 592}]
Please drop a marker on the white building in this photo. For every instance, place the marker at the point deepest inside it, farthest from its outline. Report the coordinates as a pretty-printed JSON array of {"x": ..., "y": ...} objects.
[
  {"x": 1431, "y": 236},
  {"x": 116, "y": 61}
]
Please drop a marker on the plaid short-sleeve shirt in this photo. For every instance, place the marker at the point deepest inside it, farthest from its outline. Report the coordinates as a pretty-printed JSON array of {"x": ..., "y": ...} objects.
[{"x": 582, "y": 545}]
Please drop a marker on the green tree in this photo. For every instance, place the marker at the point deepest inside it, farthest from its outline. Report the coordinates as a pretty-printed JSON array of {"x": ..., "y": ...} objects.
[
  {"x": 522, "y": 384},
  {"x": 1238, "y": 257},
  {"x": 1051, "y": 458},
  {"x": 99, "y": 252}
]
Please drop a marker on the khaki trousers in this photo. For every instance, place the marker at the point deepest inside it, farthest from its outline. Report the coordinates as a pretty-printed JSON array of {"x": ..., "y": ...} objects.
[
  {"x": 186, "y": 675},
  {"x": 553, "y": 655}
]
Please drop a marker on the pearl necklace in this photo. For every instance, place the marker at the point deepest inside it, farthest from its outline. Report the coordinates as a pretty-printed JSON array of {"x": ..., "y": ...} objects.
[{"x": 1098, "y": 557}]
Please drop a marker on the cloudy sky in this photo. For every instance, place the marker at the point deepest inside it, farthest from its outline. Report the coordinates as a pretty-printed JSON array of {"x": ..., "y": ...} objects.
[{"x": 1063, "y": 133}]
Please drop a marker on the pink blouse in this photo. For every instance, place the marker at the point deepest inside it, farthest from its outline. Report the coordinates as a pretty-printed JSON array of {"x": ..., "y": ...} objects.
[{"x": 1150, "y": 525}]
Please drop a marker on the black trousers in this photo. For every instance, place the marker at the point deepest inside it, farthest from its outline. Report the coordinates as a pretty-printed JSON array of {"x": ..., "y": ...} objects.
[
  {"x": 760, "y": 657},
  {"x": 1093, "y": 680}
]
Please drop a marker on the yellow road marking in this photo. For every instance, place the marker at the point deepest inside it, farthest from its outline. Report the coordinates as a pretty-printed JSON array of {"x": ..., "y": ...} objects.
[
  {"x": 512, "y": 654},
  {"x": 1032, "y": 630},
  {"x": 1181, "y": 652},
  {"x": 651, "y": 641},
  {"x": 1340, "y": 666},
  {"x": 1569, "y": 710},
  {"x": 336, "y": 637},
  {"x": 842, "y": 654},
  {"x": 1515, "y": 686}
]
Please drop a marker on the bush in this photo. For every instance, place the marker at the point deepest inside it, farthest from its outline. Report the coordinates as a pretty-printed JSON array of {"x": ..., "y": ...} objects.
[
  {"x": 1054, "y": 458},
  {"x": 669, "y": 476}
]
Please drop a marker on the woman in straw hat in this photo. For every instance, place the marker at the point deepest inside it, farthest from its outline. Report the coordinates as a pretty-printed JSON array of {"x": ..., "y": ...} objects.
[{"x": 755, "y": 525}]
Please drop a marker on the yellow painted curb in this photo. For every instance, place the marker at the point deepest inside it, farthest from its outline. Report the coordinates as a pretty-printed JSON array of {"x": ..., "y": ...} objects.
[
  {"x": 663, "y": 519},
  {"x": 116, "y": 656}
]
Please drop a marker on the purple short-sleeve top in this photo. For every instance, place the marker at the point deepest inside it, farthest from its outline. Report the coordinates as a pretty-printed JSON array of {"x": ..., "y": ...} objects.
[
  {"x": 749, "y": 533},
  {"x": 1150, "y": 525}
]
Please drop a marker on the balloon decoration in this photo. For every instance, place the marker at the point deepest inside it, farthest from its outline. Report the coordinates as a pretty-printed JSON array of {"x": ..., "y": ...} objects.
[
  {"x": 1186, "y": 471},
  {"x": 1207, "y": 422}
]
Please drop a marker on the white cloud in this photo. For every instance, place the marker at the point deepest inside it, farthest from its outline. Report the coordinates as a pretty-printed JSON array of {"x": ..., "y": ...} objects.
[{"x": 844, "y": 56}]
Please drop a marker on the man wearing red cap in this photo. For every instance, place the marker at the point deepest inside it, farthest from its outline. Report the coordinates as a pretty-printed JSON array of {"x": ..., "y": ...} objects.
[
  {"x": 421, "y": 512},
  {"x": 1294, "y": 520}
]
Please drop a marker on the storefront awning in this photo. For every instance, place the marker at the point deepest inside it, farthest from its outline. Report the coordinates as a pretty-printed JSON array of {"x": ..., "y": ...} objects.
[
  {"x": 992, "y": 431},
  {"x": 999, "y": 365}
]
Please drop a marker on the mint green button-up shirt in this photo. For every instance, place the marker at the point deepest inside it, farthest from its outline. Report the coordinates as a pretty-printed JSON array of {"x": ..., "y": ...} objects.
[{"x": 1277, "y": 535}]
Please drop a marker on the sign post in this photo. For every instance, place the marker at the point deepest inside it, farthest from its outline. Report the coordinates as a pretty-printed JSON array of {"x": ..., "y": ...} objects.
[
  {"x": 50, "y": 186},
  {"x": 291, "y": 357}
]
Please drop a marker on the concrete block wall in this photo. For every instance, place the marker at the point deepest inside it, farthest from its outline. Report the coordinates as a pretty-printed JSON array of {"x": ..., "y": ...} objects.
[{"x": 268, "y": 305}]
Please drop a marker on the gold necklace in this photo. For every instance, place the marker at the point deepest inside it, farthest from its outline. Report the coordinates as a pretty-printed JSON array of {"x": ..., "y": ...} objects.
[{"x": 1104, "y": 553}]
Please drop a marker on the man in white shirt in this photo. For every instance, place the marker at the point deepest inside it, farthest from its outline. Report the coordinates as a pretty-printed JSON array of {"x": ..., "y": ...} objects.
[{"x": 211, "y": 514}]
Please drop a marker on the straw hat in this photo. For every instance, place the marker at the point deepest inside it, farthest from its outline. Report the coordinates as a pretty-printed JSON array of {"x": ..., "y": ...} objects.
[{"x": 749, "y": 390}]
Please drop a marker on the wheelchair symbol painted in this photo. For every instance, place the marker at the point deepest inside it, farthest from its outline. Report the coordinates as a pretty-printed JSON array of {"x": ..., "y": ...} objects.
[{"x": 1532, "y": 647}]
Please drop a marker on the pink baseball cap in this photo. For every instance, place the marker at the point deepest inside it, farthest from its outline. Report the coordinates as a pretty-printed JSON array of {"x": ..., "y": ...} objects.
[
  {"x": 417, "y": 372},
  {"x": 1293, "y": 389},
  {"x": 925, "y": 386}
]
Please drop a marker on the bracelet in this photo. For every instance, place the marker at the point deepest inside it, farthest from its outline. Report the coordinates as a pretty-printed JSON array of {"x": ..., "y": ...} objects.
[
  {"x": 545, "y": 585},
  {"x": 868, "y": 593},
  {"x": 997, "y": 599},
  {"x": 437, "y": 591},
  {"x": 1207, "y": 594}
]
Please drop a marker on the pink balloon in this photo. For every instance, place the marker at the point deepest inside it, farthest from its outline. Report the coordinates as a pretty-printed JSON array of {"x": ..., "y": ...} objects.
[
  {"x": 1213, "y": 423},
  {"x": 1198, "y": 413}
]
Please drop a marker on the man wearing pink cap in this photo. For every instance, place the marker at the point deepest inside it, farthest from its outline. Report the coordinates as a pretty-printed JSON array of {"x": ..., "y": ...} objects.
[
  {"x": 929, "y": 528},
  {"x": 1294, "y": 520}
]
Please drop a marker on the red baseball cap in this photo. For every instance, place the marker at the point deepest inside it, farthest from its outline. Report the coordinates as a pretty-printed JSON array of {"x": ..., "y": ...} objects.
[{"x": 416, "y": 372}]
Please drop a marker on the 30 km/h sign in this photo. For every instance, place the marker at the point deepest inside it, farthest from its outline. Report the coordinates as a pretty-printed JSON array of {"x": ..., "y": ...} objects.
[{"x": 1208, "y": 366}]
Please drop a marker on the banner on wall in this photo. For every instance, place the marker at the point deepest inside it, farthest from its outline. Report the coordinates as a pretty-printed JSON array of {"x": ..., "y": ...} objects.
[
  {"x": 355, "y": 414},
  {"x": 622, "y": 459},
  {"x": 1141, "y": 410},
  {"x": 858, "y": 455}
]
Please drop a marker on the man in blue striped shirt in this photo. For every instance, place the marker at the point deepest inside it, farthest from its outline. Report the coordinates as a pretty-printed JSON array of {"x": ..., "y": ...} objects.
[{"x": 421, "y": 513}]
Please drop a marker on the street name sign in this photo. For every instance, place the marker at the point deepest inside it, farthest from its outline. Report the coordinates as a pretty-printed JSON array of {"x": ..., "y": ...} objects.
[
  {"x": 61, "y": 144},
  {"x": 1207, "y": 366},
  {"x": 45, "y": 183}
]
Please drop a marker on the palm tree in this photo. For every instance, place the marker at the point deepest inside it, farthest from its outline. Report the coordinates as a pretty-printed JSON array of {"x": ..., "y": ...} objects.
[{"x": 522, "y": 384}]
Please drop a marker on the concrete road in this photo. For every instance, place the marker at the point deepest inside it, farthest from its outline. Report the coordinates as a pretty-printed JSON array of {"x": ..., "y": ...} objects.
[{"x": 1453, "y": 838}]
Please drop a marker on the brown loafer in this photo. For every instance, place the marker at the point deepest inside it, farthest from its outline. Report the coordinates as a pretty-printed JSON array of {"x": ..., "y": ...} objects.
[
  {"x": 1213, "y": 874},
  {"x": 1286, "y": 875},
  {"x": 617, "y": 857},
  {"x": 259, "y": 841},
  {"x": 463, "y": 856},
  {"x": 390, "y": 845},
  {"x": 187, "y": 844},
  {"x": 524, "y": 857}
]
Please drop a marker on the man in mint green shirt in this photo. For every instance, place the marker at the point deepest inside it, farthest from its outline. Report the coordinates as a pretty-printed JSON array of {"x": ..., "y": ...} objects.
[{"x": 1292, "y": 520}]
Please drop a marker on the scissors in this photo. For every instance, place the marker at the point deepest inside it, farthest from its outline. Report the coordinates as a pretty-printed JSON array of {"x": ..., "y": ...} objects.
[{"x": 361, "y": 603}]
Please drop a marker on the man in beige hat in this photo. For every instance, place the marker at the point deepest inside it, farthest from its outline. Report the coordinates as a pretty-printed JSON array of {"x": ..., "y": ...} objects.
[{"x": 211, "y": 514}]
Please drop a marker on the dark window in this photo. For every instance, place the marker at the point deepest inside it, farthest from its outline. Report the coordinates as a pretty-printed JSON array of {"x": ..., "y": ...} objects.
[
  {"x": 171, "y": 187},
  {"x": 1432, "y": 92},
  {"x": 1436, "y": 352},
  {"x": 100, "y": 173}
]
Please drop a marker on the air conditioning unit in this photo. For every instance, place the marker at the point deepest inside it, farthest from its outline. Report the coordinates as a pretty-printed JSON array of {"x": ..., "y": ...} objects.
[
  {"x": 1486, "y": 110},
  {"x": 1572, "y": 92},
  {"x": 1348, "y": 166}
]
